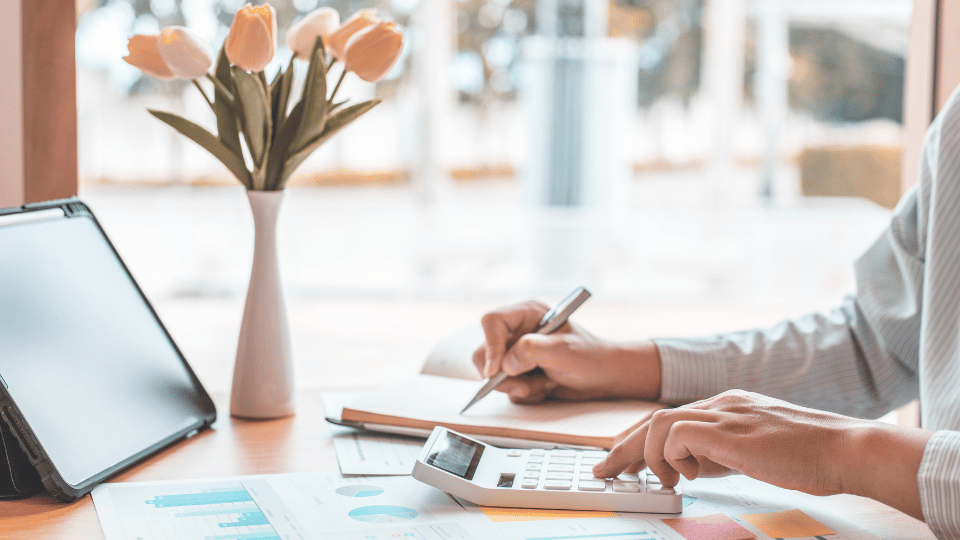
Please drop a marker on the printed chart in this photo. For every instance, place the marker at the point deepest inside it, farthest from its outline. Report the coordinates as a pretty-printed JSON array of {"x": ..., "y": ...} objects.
[
  {"x": 232, "y": 510},
  {"x": 317, "y": 506}
]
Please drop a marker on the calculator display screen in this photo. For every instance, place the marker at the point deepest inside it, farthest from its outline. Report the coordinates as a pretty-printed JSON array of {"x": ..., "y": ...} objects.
[{"x": 456, "y": 455}]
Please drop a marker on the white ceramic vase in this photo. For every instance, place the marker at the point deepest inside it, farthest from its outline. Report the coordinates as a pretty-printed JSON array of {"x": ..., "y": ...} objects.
[{"x": 263, "y": 382}]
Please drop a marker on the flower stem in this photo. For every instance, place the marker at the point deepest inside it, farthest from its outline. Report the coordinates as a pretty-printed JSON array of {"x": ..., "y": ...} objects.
[
  {"x": 224, "y": 93},
  {"x": 203, "y": 93},
  {"x": 337, "y": 87}
]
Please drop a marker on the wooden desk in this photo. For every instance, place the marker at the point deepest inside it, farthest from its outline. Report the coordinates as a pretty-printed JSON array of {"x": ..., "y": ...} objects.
[
  {"x": 301, "y": 443},
  {"x": 233, "y": 447}
]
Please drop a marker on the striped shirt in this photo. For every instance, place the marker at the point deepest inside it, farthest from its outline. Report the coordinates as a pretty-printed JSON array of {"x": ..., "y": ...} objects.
[{"x": 897, "y": 338}]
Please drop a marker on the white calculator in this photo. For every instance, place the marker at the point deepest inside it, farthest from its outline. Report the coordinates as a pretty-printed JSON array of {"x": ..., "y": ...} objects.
[{"x": 536, "y": 478}]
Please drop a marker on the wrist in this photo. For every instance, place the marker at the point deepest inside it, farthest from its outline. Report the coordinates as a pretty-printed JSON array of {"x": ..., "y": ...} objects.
[
  {"x": 639, "y": 370},
  {"x": 880, "y": 461}
]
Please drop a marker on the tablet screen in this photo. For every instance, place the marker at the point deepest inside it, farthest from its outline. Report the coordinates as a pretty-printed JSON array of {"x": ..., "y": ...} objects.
[{"x": 82, "y": 354}]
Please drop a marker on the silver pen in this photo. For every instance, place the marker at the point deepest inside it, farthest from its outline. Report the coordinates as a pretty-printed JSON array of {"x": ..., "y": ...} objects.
[{"x": 551, "y": 321}]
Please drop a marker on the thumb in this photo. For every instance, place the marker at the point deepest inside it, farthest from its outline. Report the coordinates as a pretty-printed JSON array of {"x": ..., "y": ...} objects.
[{"x": 528, "y": 353}]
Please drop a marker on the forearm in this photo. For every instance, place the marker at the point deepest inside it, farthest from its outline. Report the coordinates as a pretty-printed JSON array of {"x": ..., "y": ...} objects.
[{"x": 880, "y": 461}]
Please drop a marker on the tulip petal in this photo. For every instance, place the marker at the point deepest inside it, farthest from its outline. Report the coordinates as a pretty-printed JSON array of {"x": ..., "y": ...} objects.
[
  {"x": 144, "y": 55},
  {"x": 252, "y": 42}
]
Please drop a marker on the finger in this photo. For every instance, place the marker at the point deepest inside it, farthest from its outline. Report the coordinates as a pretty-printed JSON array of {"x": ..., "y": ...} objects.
[
  {"x": 677, "y": 454},
  {"x": 528, "y": 353},
  {"x": 503, "y": 326},
  {"x": 627, "y": 452},
  {"x": 480, "y": 357},
  {"x": 660, "y": 426},
  {"x": 527, "y": 389}
]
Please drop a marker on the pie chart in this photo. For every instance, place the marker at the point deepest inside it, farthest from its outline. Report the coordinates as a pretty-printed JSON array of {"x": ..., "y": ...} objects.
[
  {"x": 382, "y": 514},
  {"x": 359, "y": 491}
]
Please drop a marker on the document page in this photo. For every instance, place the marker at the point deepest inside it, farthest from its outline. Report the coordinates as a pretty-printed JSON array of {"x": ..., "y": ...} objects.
[
  {"x": 284, "y": 506},
  {"x": 731, "y": 508},
  {"x": 367, "y": 452}
]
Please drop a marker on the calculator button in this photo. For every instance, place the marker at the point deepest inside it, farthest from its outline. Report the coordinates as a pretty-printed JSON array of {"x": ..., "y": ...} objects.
[
  {"x": 531, "y": 474},
  {"x": 594, "y": 454},
  {"x": 563, "y": 453},
  {"x": 557, "y": 484},
  {"x": 653, "y": 481},
  {"x": 590, "y": 461},
  {"x": 625, "y": 487},
  {"x": 560, "y": 468},
  {"x": 627, "y": 477},
  {"x": 529, "y": 484},
  {"x": 537, "y": 452},
  {"x": 514, "y": 453},
  {"x": 590, "y": 476},
  {"x": 536, "y": 459},
  {"x": 592, "y": 485},
  {"x": 563, "y": 460},
  {"x": 559, "y": 476},
  {"x": 534, "y": 466},
  {"x": 663, "y": 491}
]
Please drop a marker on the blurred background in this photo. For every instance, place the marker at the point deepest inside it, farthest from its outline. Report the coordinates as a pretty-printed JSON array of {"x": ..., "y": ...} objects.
[{"x": 699, "y": 165}]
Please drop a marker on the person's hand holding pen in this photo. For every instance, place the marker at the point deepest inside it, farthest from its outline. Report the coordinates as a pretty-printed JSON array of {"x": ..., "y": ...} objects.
[{"x": 573, "y": 364}]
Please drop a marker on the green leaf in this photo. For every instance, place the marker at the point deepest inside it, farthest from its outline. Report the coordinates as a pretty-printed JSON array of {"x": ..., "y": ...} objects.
[
  {"x": 280, "y": 94},
  {"x": 256, "y": 115},
  {"x": 334, "y": 124},
  {"x": 282, "y": 139},
  {"x": 333, "y": 107},
  {"x": 210, "y": 143},
  {"x": 314, "y": 97},
  {"x": 223, "y": 109}
]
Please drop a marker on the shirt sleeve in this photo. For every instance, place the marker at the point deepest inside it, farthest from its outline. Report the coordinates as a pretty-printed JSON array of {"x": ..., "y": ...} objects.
[
  {"x": 939, "y": 482},
  {"x": 859, "y": 359}
]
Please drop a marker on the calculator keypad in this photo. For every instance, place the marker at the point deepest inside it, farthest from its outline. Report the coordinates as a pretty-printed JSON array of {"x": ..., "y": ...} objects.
[{"x": 572, "y": 470}]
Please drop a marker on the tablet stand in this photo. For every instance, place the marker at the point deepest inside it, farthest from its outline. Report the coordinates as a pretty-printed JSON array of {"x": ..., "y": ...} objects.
[{"x": 18, "y": 478}]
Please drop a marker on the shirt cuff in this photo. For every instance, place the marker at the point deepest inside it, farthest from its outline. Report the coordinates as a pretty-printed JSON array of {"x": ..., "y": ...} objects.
[
  {"x": 939, "y": 481},
  {"x": 691, "y": 369}
]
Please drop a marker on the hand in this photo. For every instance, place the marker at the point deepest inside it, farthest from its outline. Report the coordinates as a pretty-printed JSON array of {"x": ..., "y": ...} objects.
[
  {"x": 573, "y": 364},
  {"x": 774, "y": 441}
]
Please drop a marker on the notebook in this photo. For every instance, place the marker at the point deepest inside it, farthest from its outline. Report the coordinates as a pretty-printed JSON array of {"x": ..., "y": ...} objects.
[{"x": 448, "y": 380}]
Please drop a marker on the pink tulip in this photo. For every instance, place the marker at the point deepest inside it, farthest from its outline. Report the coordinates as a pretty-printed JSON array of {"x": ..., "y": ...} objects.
[
  {"x": 360, "y": 20},
  {"x": 252, "y": 40},
  {"x": 145, "y": 56},
  {"x": 371, "y": 52}
]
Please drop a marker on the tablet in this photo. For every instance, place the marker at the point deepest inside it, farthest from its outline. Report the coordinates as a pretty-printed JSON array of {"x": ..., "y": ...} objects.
[{"x": 90, "y": 380}]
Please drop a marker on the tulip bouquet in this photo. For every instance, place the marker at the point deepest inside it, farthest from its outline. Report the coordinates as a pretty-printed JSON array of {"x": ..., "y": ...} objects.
[{"x": 260, "y": 137}]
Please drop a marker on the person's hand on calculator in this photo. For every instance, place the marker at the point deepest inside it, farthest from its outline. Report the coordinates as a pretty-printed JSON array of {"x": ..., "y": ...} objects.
[{"x": 569, "y": 364}]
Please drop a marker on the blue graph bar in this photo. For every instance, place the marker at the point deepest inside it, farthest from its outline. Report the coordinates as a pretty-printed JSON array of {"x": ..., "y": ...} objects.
[
  {"x": 631, "y": 535},
  {"x": 247, "y": 519},
  {"x": 265, "y": 535},
  {"x": 218, "y": 512},
  {"x": 196, "y": 499}
]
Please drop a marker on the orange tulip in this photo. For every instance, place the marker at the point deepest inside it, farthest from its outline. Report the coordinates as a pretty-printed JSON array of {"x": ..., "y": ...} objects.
[
  {"x": 145, "y": 56},
  {"x": 371, "y": 52},
  {"x": 252, "y": 40},
  {"x": 184, "y": 52},
  {"x": 302, "y": 35},
  {"x": 360, "y": 20}
]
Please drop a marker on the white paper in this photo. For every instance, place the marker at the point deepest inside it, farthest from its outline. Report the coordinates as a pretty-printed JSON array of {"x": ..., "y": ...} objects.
[
  {"x": 734, "y": 496},
  {"x": 366, "y": 452},
  {"x": 283, "y": 507}
]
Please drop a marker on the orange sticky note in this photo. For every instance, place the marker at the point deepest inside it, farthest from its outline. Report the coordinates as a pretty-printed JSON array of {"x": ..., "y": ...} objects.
[
  {"x": 787, "y": 524},
  {"x": 712, "y": 527},
  {"x": 500, "y": 515}
]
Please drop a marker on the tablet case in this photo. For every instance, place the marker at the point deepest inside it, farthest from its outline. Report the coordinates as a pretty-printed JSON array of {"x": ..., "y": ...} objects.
[{"x": 25, "y": 468}]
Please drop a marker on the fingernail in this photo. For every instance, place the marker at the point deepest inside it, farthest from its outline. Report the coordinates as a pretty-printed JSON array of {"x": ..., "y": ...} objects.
[{"x": 512, "y": 362}]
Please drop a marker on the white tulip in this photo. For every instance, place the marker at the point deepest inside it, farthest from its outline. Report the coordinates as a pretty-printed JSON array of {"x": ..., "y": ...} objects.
[{"x": 303, "y": 34}]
